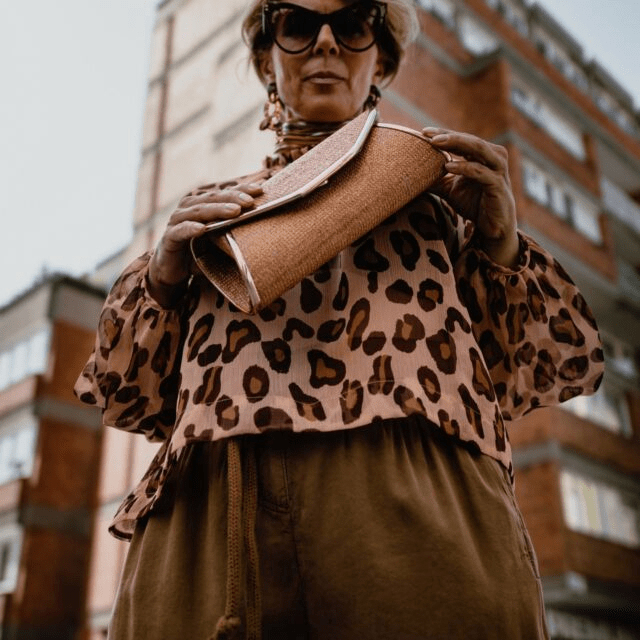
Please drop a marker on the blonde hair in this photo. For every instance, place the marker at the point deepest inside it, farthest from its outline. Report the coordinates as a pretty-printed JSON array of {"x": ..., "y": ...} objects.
[{"x": 400, "y": 29}]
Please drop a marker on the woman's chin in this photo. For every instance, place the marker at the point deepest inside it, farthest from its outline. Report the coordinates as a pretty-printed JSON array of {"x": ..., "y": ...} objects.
[{"x": 326, "y": 111}]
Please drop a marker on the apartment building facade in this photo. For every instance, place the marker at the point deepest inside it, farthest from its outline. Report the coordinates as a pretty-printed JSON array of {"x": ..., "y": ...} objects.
[
  {"x": 507, "y": 71},
  {"x": 49, "y": 454}
]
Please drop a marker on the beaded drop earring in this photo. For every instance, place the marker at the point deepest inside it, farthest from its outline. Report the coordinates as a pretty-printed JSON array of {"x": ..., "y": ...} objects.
[
  {"x": 273, "y": 110},
  {"x": 373, "y": 98}
]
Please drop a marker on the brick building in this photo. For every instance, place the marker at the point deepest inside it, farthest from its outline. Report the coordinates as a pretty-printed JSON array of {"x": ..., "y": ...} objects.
[
  {"x": 49, "y": 454},
  {"x": 507, "y": 71}
]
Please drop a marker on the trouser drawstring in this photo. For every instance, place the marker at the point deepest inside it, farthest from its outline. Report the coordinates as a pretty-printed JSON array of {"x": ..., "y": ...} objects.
[
  {"x": 254, "y": 600},
  {"x": 241, "y": 531}
]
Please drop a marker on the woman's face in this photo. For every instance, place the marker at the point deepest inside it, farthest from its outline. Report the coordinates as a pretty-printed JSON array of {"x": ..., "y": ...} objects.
[{"x": 327, "y": 82}]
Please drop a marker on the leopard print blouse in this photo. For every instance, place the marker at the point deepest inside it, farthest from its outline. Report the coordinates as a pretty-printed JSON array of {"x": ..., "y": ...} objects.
[{"x": 412, "y": 318}]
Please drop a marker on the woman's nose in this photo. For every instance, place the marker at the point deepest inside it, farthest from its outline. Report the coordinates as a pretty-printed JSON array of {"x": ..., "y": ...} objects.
[{"x": 325, "y": 42}]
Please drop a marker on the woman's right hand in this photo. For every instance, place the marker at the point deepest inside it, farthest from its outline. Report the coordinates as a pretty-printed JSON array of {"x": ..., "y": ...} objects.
[{"x": 170, "y": 265}]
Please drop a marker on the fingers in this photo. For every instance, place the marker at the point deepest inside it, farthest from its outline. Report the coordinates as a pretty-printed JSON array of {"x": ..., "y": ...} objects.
[
  {"x": 206, "y": 212},
  {"x": 469, "y": 147},
  {"x": 252, "y": 188},
  {"x": 179, "y": 234},
  {"x": 215, "y": 204},
  {"x": 476, "y": 171},
  {"x": 242, "y": 195}
]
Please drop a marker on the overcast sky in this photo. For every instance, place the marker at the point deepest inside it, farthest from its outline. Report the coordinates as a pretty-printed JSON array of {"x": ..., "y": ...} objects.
[{"x": 73, "y": 83}]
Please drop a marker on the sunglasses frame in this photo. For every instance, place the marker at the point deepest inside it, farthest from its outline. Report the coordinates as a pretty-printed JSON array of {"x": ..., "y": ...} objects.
[{"x": 324, "y": 18}]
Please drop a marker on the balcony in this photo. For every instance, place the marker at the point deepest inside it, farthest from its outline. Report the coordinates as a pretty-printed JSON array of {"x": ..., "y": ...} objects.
[
  {"x": 543, "y": 436},
  {"x": 628, "y": 281},
  {"x": 620, "y": 205}
]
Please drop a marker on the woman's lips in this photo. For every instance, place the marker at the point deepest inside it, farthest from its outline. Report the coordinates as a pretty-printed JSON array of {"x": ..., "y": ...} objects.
[{"x": 324, "y": 77}]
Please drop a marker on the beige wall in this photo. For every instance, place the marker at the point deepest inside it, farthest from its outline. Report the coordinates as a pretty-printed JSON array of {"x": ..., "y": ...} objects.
[{"x": 206, "y": 103}]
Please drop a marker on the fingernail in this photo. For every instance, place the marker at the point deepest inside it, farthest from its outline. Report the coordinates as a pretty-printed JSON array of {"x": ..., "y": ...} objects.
[
  {"x": 430, "y": 130},
  {"x": 231, "y": 207},
  {"x": 245, "y": 197},
  {"x": 255, "y": 185}
]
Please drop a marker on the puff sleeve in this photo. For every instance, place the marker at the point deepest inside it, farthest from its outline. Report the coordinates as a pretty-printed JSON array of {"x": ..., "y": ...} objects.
[
  {"x": 131, "y": 374},
  {"x": 538, "y": 336}
]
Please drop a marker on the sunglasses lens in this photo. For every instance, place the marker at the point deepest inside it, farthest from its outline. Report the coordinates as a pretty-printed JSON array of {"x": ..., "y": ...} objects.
[
  {"x": 295, "y": 29},
  {"x": 354, "y": 27}
]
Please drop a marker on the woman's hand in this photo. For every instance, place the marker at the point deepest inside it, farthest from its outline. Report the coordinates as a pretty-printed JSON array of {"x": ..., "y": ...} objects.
[
  {"x": 170, "y": 265},
  {"x": 478, "y": 187}
]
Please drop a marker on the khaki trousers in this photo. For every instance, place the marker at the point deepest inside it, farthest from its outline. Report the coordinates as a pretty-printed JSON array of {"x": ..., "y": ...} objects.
[{"x": 393, "y": 531}]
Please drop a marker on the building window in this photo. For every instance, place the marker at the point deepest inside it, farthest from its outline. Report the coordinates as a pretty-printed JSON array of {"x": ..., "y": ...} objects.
[
  {"x": 600, "y": 510},
  {"x": 531, "y": 105},
  {"x": 563, "y": 201},
  {"x": 536, "y": 184},
  {"x": 514, "y": 15},
  {"x": 445, "y": 10},
  {"x": 475, "y": 38},
  {"x": 618, "y": 203},
  {"x": 17, "y": 446},
  {"x": 609, "y": 106},
  {"x": 576, "y": 626},
  {"x": 10, "y": 546},
  {"x": 25, "y": 358},
  {"x": 585, "y": 220},
  {"x": 607, "y": 407},
  {"x": 5, "y": 557},
  {"x": 556, "y": 55},
  {"x": 619, "y": 356}
]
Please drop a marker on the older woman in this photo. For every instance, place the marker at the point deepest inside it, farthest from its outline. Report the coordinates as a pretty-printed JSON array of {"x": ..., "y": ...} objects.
[{"x": 337, "y": 466}]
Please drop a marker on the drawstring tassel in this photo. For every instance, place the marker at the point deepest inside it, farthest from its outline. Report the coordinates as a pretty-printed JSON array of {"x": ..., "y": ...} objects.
[{"x": 228, "y": 628}]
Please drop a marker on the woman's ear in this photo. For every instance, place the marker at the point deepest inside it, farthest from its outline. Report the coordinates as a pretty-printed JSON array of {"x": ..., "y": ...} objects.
[
  {"x": 265, "y": 67},
  {"x": 379, "y": 73}
]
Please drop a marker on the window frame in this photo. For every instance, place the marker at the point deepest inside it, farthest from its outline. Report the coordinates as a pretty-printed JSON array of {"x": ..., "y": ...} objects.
[
  {"x": 562, "y": 200},
  {"x": 586, "y": 510},
  {"x": 11, "y": 537}
]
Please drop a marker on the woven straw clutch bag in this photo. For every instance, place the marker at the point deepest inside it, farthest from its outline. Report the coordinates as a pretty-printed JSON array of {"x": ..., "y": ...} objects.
[{"x": 314, "y": 208}]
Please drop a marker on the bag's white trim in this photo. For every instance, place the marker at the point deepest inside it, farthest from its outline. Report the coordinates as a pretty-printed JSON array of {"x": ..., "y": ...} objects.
[{"x": 252, "y": 290}]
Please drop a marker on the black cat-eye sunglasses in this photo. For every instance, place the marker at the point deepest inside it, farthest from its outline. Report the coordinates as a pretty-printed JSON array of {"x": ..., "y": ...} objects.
[{"x": 295, "y": 29}]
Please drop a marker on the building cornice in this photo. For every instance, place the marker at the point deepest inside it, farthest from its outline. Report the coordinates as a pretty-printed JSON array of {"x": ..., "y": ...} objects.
[{"x": 47, "y": 407}]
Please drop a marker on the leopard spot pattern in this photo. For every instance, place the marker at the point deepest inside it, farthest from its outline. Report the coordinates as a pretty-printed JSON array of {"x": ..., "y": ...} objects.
[
  {"x": 351, "y": 400},
  {"x": 255, "y": 383},
  {"x": 227, "y": 413},
  {"x": 239, "y": 335},
  {"x": 278, "y": 354},
  {"x": 382, "y": 379},
  {"x": 374, "y": 342},
  {"x": 409, "y": 330},
  {"x": 308, "y": 407},
  {"x": 325, "y": 370}
]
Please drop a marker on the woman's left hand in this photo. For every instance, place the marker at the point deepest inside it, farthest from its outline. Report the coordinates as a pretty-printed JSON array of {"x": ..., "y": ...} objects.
[{"x": 478, "y": 187}]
